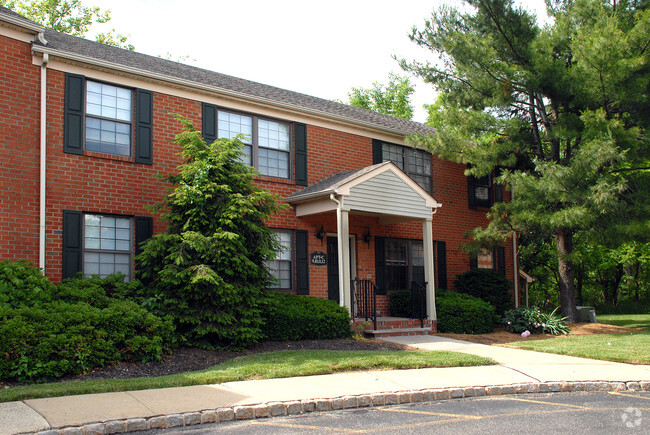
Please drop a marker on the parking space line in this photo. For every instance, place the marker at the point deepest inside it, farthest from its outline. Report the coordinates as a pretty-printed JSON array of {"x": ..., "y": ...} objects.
[
  {"x": 616, "y": 393},
  {"x": 563, "y": 405},
  {"x": 438, "y": 414},
  {"x": 306, "y": 426}
]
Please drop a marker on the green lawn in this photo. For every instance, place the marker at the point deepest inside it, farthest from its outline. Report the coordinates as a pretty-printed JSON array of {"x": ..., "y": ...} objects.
[
  {"x": 262, "y": 366},
  {"x": 628, "y": 347}
]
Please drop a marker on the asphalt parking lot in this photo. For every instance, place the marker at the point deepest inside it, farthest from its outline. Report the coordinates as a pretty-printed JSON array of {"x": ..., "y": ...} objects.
[{"x": 603, "y": 412}]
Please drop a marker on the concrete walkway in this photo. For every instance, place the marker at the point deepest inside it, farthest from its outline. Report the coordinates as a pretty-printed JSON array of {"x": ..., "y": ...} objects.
[{"x": 519, "y": 371}]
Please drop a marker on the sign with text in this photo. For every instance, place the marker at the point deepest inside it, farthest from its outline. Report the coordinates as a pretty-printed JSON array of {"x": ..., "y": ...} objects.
[{"x": 318, "y": 258}]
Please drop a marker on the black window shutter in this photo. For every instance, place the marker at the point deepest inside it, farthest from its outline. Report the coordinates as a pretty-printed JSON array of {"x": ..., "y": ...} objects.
[
  {"x": 471, "y": 197},
  {"x": 377, "y": 156},
  {"x": 209, "y": 122},
  {"x": 473, "y": 261},
  {"x": 380, "y": 265},
  {"x": 143, "y": 126},
  {"x": 501, "y": 260},
  {"x": 143, "y": 231},
  {"x": 302, "y": 262},
  {"x": 441, "y": 251},
  {"x": 75, "y": 86},
  {"x": 72, "y": 239},
  {"x": 301, "y": 153}
]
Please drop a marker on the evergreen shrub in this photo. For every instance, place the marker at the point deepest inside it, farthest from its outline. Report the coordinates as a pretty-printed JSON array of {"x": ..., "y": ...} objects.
[
  {"x": 488, "y": 285},
  {"x": 290, "y": 317},
  {"x": 463, "y": 314},
  {"x": 401, "y": 304}
]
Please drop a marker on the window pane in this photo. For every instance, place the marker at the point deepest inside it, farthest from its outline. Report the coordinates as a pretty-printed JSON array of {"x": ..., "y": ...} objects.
[
  {"x": 396, "y": 251},
  {"x": 232, "y": 124},
  {"x": 393, "y": 153},
  {"x": 108, "y": 137},
  {"x": 273, "y": 135},
  {"x": 485, "y": 259},
  {"x": 417, "y": 254},
  {"x": 274, "y": 163}
]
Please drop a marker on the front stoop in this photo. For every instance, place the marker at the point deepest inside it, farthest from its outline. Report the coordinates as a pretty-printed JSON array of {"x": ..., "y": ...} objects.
[{"x": 396, "y": 326}]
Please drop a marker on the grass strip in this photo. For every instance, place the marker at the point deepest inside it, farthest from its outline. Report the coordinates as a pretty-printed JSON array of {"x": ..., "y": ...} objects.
[
  {"x": 280, "y": 364},
  {"x": 631, "y": 348}
]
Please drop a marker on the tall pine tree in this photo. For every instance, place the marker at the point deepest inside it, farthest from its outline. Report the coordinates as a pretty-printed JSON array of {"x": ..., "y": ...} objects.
[{"x": 560, "y": 112}]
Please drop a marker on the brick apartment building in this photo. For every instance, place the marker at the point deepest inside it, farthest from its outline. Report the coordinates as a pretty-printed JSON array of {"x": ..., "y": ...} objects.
[{"x": 86, "y": 128}]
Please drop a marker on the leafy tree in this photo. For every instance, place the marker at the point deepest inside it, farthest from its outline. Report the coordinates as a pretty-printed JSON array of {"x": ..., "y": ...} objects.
[
  {"x": 68, "y": 16},
  {"x": 208, "y": 270},
  {"x": 390, "y": 99},
  {"x": 561, "y": 112}
]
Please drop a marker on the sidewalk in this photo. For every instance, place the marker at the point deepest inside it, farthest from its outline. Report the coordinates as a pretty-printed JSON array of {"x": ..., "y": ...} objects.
[{"x": 519, "y": 371}]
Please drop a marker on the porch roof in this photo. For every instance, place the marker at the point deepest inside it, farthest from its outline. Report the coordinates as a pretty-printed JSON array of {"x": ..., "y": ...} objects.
[{"x": 381, "y": 189}]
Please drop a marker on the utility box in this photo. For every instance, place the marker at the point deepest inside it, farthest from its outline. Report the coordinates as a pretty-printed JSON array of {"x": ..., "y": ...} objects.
[{"x": 586, "y": 314}]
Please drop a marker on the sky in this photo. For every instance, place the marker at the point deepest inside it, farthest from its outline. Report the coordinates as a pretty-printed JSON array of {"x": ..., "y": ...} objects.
[{"x": 318, "y": 48}]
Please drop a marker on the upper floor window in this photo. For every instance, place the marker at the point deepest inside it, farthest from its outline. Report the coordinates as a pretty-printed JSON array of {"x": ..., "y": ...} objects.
[
  {"x": 483, "y": 191},
  {"x": 267, "y": 145},
  {"x": 280, "y": 268},
  {"x": 109, "y": 115},
  {"x": 414, "y": 162}
]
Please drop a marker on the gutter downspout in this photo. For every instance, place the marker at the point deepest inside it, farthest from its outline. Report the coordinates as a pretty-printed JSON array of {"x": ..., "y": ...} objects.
[
  {"x": 43, "y": 162},
  {"x": 339, "y": 246}
]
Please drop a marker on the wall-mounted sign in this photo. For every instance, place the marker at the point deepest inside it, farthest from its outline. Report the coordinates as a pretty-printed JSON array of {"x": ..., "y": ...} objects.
[{"x": 318, "y": 258}]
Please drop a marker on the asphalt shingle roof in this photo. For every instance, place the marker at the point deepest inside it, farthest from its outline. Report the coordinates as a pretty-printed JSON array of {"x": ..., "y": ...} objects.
[{"x": 79, "y": 46}]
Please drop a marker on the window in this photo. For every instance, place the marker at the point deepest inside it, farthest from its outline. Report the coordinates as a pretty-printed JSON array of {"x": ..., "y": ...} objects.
[
  {"x": 280, "y": 268},
  {"x": 107, "y": 242},
  {"x": 415, "y": 163},
  {"x": 404, "y": 263},
  {"x": 267, "y": 144},
  {"x": 109, "y": 114},
  {"x": 484, "y": 260},
  {"x": 494, "y": 259}
]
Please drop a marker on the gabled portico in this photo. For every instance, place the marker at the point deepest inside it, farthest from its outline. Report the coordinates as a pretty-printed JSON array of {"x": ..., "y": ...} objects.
[{"x": 382, "y": 191}]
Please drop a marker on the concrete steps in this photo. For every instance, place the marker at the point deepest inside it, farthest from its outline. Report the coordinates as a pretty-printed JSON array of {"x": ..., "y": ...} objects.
[{"x": 394, "y": 327}]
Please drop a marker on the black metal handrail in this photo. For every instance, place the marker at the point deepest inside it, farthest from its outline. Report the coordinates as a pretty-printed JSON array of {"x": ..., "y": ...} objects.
[
  {"x": 364, "y": 300},
  {"x": 419, "y": 298}
]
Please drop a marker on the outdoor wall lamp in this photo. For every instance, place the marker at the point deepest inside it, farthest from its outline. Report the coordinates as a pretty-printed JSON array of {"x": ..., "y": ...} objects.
[
  {"x": 367, "y": 237},
  {"x": 320, "y": 235}
]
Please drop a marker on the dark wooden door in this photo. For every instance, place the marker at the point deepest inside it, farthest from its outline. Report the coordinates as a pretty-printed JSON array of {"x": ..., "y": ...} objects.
[{"x": 333, "y": 269}]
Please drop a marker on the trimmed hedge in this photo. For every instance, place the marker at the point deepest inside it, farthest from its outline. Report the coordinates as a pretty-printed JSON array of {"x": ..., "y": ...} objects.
[
  {"x": 488, "y": 285},
  {"x": 463, "y": 314},
  {"x": 291, "y": 317},
  {"x": 62, "y": 338},
  {"x": 48, "y": 331}
]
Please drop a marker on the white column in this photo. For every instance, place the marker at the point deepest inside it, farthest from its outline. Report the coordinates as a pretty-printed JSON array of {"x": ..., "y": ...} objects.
[
  {"x": 427, "y": 240},
  {"x": 343, "y": 235}
]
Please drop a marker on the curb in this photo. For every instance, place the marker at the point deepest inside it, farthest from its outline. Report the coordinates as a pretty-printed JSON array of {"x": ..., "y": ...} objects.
[{"x": 296, "y": 407}]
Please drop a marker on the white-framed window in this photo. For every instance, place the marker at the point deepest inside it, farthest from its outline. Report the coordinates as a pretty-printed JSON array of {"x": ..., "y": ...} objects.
[
  {"x": 267, "y": 144},
  {"x": 107, "y": 245},
  {"x": 485, "y": 259},
  {"x": 109, "y": 118},
  {"x": 414, "y": 162},
  {"x": 280, "y": 268},
  {"x": 404, "y": 262}
]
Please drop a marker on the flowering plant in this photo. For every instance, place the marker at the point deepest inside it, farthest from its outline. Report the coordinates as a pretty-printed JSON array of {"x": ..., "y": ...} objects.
[{"x": 534, "y": 321}]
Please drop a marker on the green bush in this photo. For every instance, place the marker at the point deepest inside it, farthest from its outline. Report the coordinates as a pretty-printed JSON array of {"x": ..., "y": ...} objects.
[
  {"x": 535, "y": 321},
  {"x": 290, "y": 317},
  {"x": 401, "y": 303},
  {"x": 22, "y": 283},
  {"x": 52, "y": 331},
  {"x": 463, "y": 314},
  {"x": 62, "y": 338},
  {"x": 488, "y": 285}
]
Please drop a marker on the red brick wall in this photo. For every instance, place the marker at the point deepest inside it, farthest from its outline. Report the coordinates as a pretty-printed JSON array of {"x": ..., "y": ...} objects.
[
  {"x": 101, "y": 183},
  {"x": 19, "y": 154}
]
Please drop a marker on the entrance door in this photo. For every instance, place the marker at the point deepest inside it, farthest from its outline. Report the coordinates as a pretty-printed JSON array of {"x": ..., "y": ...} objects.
[
  {"x": 333, "y": 266},
  {"x": 333, "y": 269}
]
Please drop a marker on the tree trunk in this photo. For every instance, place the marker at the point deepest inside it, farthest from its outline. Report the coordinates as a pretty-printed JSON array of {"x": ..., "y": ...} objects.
[
  {"x": 580, "y": 280},
  {"x": 564, "y": 242}
]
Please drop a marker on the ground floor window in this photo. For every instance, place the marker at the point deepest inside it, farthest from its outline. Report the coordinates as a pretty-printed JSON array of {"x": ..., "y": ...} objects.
[
  {"x": 404, "y": 263},
  {"x": 107, "y": 245},
  {"x": 280, "y": 268}
]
